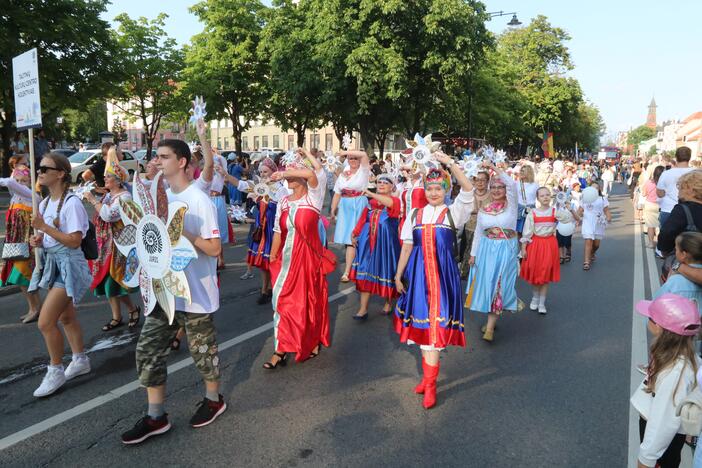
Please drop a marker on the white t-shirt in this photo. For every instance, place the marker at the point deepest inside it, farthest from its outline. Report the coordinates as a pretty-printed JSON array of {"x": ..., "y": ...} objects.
[
  {"x": 73, "y": 217},
  {"x": 669, "y": 182},
  {"x": 530, "y": 189},
  {"x": 200, "y": 220}
]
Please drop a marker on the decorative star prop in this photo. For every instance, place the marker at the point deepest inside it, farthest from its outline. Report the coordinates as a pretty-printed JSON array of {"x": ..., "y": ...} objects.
[
  {"x": 198, "y": 111},
  {"x": 422, "y": 150},
  {"x": 237, "y": 213},
  {"x": 84, "y": 189},
  {"x": 499, "y": 157},
  {"x": 330, "y": 161},
  {"x": 157, "y": 251},
  {"x": 346, "y": 142}
]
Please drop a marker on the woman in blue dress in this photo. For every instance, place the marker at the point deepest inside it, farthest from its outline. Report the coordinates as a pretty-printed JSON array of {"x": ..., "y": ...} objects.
[
  {"x": 491, "y": 284},
  {"x": 377, "y": 247},
  {"x": 429, "y": 312}
]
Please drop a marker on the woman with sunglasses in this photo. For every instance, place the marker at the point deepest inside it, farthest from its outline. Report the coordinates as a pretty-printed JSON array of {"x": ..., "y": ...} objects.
[
  {"x": 377, "y": 247},
  {"x": 62, "y": 223},
  {"x": 109, "y": 268},
  {"x": 348, "y": 202},
  {"x": 493, "y": 255}
]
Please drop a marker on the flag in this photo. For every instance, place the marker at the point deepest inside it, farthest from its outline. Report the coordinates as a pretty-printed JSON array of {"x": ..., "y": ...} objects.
[{"x": 547, "y": 145}]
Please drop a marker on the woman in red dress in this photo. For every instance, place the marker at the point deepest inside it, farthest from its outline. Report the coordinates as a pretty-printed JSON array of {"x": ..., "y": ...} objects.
[{"x": 300, "y": 297}]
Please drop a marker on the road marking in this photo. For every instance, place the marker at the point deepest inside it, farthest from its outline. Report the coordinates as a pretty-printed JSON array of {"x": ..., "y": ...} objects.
[
  {"x": 83, "y": 408},
  {"x": 639, "y": 342}
]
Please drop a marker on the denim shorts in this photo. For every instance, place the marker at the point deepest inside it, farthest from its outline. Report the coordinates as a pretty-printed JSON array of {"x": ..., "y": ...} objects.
[{"x": 57, "y": 280}]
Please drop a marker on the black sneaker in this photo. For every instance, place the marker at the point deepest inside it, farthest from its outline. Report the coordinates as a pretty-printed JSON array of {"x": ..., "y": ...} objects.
[
  {"x": 145, "y": 428},
  {"x": 264, "y": 299},
  {"x": 208, "y": 411}
]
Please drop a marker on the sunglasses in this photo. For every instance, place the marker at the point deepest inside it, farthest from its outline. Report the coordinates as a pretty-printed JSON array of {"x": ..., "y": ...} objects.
[{"x": 45, "y": 169}]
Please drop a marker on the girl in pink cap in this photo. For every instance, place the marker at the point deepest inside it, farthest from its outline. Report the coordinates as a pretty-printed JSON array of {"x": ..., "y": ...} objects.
[{"x": 670, "y": 377}]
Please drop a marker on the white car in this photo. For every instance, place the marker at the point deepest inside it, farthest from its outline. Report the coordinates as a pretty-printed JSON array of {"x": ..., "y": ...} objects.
[{"x": 81, "y": 161}]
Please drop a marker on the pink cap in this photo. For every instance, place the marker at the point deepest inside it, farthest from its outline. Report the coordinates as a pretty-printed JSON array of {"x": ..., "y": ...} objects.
[{"x": 674, "y": 313}]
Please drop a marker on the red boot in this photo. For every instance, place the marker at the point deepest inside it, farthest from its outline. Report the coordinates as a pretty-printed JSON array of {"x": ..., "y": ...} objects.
[
  {"x": 420, "y": 387},
  {"x": 430, "y": 375}
]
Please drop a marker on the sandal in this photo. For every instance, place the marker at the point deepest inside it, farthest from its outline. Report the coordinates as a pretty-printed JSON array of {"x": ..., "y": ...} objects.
[
  {"x": 562, "y": 260},
  {"x": 313, "y": 354},
  {"x": 112, "y": 324},
  {"x": 345, "y": 278},
  {"x": 386, "y": 312},
  {"x": 133, "y": 322},
  {"x": 586, "y": 266},
  {"x": 283, "y": 361},
  {"x": 175, "y": 344},
  {"x": 567, "y": 258}
]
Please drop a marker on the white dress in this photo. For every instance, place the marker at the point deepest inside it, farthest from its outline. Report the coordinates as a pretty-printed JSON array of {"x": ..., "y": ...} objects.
[{"x": 594, "y": 221}]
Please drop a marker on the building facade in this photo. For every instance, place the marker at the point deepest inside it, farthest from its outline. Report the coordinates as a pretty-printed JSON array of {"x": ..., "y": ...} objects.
[{"x": 134, "y": 136}]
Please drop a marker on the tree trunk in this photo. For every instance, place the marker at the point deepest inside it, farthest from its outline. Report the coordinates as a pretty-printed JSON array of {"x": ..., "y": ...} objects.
[{"x": 300, "y": 131}]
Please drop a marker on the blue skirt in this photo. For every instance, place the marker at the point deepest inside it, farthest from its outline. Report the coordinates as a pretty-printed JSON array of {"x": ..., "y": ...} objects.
[
  {"x": 222, "y": 221},
  {"x": 350, "y": 209},
  {"x": 494, "y": 276}
]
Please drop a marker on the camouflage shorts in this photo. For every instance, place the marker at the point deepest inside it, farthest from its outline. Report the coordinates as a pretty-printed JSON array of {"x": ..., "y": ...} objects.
[{"x": 154, "y": 345}]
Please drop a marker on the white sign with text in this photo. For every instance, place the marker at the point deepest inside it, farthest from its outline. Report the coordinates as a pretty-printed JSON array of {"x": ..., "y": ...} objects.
[{"x": 25, "y": 76}]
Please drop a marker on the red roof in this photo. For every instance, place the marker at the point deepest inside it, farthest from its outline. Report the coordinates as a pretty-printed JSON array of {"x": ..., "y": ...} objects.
[{"x": 696, "y": 115}]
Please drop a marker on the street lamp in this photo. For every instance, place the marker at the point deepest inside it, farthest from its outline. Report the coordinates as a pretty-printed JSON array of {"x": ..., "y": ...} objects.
[{"x": 514, "y": 22}]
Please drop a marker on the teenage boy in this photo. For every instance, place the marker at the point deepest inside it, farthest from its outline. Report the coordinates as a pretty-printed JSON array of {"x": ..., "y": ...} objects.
[{"x": 200, "y": 227}]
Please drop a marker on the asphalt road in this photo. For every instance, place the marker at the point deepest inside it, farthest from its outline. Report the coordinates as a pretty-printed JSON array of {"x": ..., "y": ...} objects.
[{"x": 550, "y": 391}]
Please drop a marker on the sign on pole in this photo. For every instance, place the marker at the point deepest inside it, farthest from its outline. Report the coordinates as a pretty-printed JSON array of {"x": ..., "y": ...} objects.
[
  {"x": 25, "y": 79},
  {"x": 25, "y": 74}
]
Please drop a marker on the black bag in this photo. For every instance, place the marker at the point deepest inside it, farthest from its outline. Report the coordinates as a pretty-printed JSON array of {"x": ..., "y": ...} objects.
[
  {"x": 89, "y": 243},
  {"x": 670, "y": 259}
]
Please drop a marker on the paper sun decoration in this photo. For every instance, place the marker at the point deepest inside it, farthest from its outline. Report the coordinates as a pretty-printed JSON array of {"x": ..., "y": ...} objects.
[
  {"x": 198, "y": 111},
  {"x": 157, "y": 251},
  {"x": 470, "y": 164},
  {"x": 346, "y": 142},
  {"x": 562, "y": 199},
  {"x": 83, "y": 189},
  {"x": 237, "y": 213},
  {"x": 330, "y": 161},
  {"x": 422, "y": 150}
]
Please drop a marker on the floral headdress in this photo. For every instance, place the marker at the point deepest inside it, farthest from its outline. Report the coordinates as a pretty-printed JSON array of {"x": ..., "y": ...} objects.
[{"x": 437, "y": 177}]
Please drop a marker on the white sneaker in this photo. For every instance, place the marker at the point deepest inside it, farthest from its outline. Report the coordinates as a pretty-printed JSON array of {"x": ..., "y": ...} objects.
[
  {"x": 542, "y": 309},
  {"x": 52, "y": 381},
  {"x": 534, "y": 303},
  {"x": 77, "y": 367}
]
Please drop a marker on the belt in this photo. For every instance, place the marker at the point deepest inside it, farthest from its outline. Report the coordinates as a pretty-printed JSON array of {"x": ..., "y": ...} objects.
[
  {"x": 351, "y": 193},
  {"x": 499, "y": 233}
]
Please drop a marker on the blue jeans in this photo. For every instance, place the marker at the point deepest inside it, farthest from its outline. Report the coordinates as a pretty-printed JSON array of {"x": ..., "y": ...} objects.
[{"x": 663, "y": 217}]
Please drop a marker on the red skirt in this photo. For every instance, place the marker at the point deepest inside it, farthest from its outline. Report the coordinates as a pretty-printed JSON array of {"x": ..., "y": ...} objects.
[{"x": 542, "y": 264}]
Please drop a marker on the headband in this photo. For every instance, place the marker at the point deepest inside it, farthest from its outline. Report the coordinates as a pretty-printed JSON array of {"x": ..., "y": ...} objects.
[
  {"x": 20, "y": 172},
  {"x": 386, "y": 178},
  {"x": 438, "y": 177}
]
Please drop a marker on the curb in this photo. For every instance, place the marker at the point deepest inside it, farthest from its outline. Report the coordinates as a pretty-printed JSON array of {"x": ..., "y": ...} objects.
[{"x": 8, "y": 290}]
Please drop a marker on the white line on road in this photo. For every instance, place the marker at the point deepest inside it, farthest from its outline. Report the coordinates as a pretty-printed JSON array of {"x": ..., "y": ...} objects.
[
  {"x": 639, "y": 344},
  {"x": 64, "y": 416}
]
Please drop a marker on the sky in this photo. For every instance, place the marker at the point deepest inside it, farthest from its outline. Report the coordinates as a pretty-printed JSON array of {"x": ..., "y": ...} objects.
[{"x": 625, "y": 51}]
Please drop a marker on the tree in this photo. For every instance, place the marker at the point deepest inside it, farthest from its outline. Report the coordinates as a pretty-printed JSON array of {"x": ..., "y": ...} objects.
[
  {"x": 294, "y": 84},
  {"x": 87, "y": 123},
  {"x": 74, "y": 48},
  {"x": 151, "y": 66},
  {"x": 639, "y": 134},
  {"x": 222, "y": 63}
]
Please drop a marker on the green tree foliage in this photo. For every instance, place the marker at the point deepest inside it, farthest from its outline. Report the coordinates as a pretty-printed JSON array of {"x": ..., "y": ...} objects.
[
  {"x": 74, "y": 47},
  {"x": 222, "y": 63},
  {"x": 85, "y": 124},
  {"x": 151, "y": 66},
  {"x": 639, "y": 134}
]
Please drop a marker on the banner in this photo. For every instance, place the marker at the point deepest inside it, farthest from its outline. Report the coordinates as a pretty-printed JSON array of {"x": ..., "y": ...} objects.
[
  {"x": 547, "y": 145},
  {"x": 25, "y": 80}
]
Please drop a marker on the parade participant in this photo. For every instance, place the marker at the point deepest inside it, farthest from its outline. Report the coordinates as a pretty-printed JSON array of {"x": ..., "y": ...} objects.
[
  {"x": 300, "y": 297},
  {"x": 651, "y": 208},
  {"x": 567, "y": 222},
  {"x": 62, "y": 224},
  {"x": 428, "y": 312},
  {"x": 540, "y": 259},
  {"x": 217, "y": 195},
  {"x": 607, "y": 180},
  {"x": 594, "y": 214},
  {"x": 412, "y": 193},
  {"x": 201, "y": 228},
  {"x": 259, "y": 247},
  {"x": 670, "y": 376},
  {"x": 377, "y": 247},
  {"x": 14, "y": 269},
  {"x": 96, "y": 172},
  {"x": 348, "y": 202},
  {"x": 109, "y": 268},
  {"x": 491, "y": 284},
  {"x": 527, "y": 194},
  {"x": 481, "y": 197}
]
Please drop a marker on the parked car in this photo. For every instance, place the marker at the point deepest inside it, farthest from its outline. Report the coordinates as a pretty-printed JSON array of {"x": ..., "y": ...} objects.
[
  {"x": 81, "y": 161},
  {"x": 68, "y": 152},
  {"x": 141, "y": 156}
]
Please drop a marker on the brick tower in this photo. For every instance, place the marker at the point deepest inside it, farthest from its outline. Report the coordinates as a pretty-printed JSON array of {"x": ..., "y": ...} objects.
[{"x": 651, "y": 119}]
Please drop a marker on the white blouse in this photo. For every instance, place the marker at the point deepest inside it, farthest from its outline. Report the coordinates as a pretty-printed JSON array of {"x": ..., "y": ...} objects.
[
  {"x": 217, "y": 178},
  {"x": 507, "y": 219},
  {"x": 109, "y": 211},
  {"x": 532, "y": 228},
  {"x": 460, "y": 210},
  {"x": 20, "y": 193},
  {"x": 357, "y": 181},
  {"x": 530, "y": 189}
]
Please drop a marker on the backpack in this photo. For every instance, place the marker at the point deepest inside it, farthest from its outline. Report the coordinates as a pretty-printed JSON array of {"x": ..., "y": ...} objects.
[{"x": 89, "y": 243}]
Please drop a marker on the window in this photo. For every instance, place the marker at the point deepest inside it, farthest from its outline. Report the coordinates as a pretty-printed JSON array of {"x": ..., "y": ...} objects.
[
  {"x": 276, "y": 141},
  {"x": 255, "y": 143},
  {"x": 291, "y": 142},
  {"x": 244, "y": 143},
  {"x": 219, "y": 143},
  {"x": 328, "y": 142},
  {"x": 226, "y": 143},
  {"x": 264, "y": 141},
  {"x": 315, "y": 140}
]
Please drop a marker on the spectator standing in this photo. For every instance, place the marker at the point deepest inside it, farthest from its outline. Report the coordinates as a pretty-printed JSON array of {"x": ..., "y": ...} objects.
[{"x": 667, "y": 187}]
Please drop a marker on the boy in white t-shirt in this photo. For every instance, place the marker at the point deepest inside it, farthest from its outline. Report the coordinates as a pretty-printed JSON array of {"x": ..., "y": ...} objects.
[
  {"x": 667, "y": 187},
  {"x": 201, "y": 228}
]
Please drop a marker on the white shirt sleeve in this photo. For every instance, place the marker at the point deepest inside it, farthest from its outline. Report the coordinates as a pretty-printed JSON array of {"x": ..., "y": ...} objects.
[
  {"x": 15, "y": 187},
  {"x": 406, "y": 234},
  {"x": 243, "y": 185},
  {"x": 278, "y": 212},
  {"x": 203, "y": 185},
  {"x": 461, "y": 209},
  {"x": 209, "y": 226},
  {"x": 73, "y": 217},
  {"x": 528, "y": 230},
  {"x": 477, "y": 234},
  {"x": 109, "y": 211}
]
